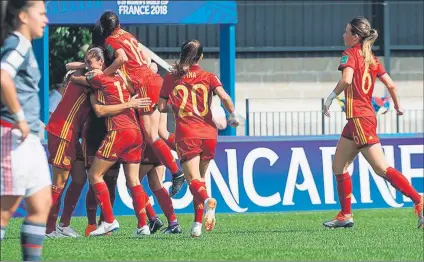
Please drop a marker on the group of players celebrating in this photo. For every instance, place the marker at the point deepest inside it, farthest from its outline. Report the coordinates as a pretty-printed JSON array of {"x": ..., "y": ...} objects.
[{"x": 116, "y": 104}]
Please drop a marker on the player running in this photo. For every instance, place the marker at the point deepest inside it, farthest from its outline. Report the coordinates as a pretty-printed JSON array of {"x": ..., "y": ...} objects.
[
  {"x": 134, "y": 62},
  {"x": 189, "y": 90},
  {"x": 122, "y": 143},
  {"x": 360, "y": 68},
  {"x": 24, "y": 169}
]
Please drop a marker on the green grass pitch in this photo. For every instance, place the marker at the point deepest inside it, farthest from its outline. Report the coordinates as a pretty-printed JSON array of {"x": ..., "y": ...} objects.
[{"x": 385, "y": 234}]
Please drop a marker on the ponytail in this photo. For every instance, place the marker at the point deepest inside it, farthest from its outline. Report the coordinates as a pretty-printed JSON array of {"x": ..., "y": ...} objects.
[
  {"x": 367, "y": 44},
  {"x": 191, "y": 52}
]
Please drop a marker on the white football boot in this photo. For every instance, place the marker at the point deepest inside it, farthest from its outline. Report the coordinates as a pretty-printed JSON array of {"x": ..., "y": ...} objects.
[
  {"x": 105, "y": 228},
  {"x": 55, "y": 234},
  {"x": 141, "y": 232},
  {"x": 67, "y": 231},
  {"x": 210, "y": 206},
  {"x": 196, "y": 229}
]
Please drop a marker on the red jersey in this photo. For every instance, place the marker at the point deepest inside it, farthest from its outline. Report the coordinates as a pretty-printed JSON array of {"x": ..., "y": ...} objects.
[
  {"x": 359, "y": 94},
  {"x": 113, "y": 91},
  {"x": 190, "y": 98},
  {"x": 135, "y": 69},
  {"x": 69, "y": 117}
]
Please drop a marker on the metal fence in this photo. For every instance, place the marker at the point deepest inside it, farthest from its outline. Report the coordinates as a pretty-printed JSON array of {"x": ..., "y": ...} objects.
[{"x": 313, "y": 122}]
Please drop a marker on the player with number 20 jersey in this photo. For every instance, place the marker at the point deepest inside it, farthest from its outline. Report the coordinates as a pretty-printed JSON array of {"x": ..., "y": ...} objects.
[{"x": 189, "y": 89}]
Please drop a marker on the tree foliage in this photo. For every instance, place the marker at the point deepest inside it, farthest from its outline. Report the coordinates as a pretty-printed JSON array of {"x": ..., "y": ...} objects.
[{"x": 66, "y": 44}]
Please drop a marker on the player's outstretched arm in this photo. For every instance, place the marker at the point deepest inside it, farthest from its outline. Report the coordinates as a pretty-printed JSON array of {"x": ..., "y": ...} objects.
[
  {"x": 112, "y": 110},
  {"x": 79, "y": 80},
  {"x": 120, "y": 59},
  {"x": 344, "y": 82},
  {"x": 391, "y": 87},
  {"x": 75, "y": 66}
]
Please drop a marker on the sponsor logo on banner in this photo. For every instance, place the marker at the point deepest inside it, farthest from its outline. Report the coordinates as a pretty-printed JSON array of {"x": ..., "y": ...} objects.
[{"x": 251, "y": 175}]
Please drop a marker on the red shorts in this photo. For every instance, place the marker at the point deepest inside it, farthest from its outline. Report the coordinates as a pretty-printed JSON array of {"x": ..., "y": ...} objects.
[
  {"x": 151, "y": 89},
  {"x": 362, "y": 130},
  {"x": 90, "y": 148},
  {"x": 63, "y": 153},
  {"x": 190, "y": 148},
  {"x": 149, "y": 156},
  {"x": 124, "y": 145}
]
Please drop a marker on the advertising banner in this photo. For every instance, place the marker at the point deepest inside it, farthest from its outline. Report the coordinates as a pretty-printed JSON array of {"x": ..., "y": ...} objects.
[{"x": 277, "y": 174}]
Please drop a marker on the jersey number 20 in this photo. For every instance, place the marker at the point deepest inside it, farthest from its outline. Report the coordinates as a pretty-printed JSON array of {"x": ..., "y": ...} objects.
[{"x": 182, "y": 112}]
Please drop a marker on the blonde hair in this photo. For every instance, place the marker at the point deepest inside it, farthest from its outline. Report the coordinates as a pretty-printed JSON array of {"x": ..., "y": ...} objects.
[{"x": 362, "y": 28}]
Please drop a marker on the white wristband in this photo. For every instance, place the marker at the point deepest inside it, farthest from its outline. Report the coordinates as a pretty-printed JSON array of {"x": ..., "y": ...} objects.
[
  {"x": 19, "y": 116},
  {"x": 332, "y": 96}
]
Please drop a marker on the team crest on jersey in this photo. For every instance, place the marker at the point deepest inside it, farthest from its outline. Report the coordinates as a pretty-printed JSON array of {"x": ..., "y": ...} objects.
[
  {"x": 66, "y": 161},
  {"x": 344, "y": 59}
]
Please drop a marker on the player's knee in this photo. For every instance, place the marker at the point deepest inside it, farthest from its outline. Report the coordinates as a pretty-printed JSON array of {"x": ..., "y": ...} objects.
[
  {"x": 5, "y": 217},
  {"x": 380, "y": 169},
  {"x": 337, "y": 168}
]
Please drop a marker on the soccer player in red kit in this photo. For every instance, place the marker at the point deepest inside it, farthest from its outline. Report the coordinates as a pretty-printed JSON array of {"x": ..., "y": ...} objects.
[
  {"x": 360, "y": 68},
  {"x": 122, "y": 143},
  {"x": 93, "y": 133},
  {"x": 189, "y": 90},
  {"x": 152, "y": 166},
  {"x": 63, "y": 133},
  {"x": 129, "y": 56}
]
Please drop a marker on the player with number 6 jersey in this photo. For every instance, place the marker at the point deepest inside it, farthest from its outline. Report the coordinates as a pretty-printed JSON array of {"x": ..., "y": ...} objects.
[
  {"x": 189, "y": 90},
  {"x": 122, "y": 143},
  {"x": 360, "y": 69}
]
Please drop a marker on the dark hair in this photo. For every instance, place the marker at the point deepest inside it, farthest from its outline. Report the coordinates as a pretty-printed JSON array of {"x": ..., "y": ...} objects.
[
  {"x": 362, "y": 28},
  {"x": 191, "y": 51},
  {"x": 97, "y": 38},
  {"x": 10, "y": 16},
  {"x": 109, "y": 21}
]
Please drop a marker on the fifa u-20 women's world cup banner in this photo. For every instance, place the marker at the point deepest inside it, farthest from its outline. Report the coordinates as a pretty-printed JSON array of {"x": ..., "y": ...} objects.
[
  {"x": 143, "y": 12},
  {"x": 276, "y": 174}
]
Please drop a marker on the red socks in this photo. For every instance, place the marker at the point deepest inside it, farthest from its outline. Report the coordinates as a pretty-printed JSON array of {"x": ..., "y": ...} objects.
[
  {"x": 171, "y": 141},
  {"x": 54, "y": 211},
  {"x": 71, "y": 198},
  {"x": 198, "y": 190},
  {"x": 398, "y": 181},
  {"x": 139, "y": 203},
  {"x": 111, "y": 186},
  {"x": 344, "y": 189},
  {"x": 151, "y": 214},
  {"x": 103, "y": 199},
  {"x": 165, "y": 204},
  {"x": 163, "y": 151},
  {"x": 56, "y": 193},
  {"x": 198, "y": 210}
]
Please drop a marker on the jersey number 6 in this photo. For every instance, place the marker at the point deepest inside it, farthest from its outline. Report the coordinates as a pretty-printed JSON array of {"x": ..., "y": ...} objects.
[{"x": 182, "y": 113}]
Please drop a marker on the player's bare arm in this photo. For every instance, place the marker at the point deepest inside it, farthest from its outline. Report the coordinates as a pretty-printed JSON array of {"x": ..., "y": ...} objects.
[
  {"x": 75, "y": 66},
  {"x": 120, "y": 59},
  {"x": 79, "y": 80},
  {"x": 344, "y": 82},
  {"x": 163, "y": 106},
  {"x": 234, "y": 119},
  {"x": 226, "y": 99},
  {"x": 112, "y": 110},
  {"x": 391, "y": 87},
  {"x": 9, "y": 98}
]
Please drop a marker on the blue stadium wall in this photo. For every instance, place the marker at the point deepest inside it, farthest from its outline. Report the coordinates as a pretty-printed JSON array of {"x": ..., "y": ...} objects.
[{"x": 277, "y": 174}]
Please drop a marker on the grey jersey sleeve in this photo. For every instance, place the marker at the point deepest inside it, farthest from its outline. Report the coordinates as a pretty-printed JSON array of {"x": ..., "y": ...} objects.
[{"x": 13, "y": 54}]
